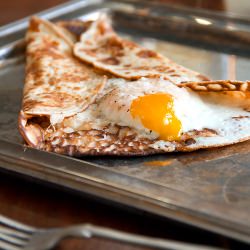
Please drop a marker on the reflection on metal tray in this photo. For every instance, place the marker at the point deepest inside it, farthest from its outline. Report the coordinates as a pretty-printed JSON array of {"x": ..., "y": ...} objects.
[{"x": 207, "y": 188}]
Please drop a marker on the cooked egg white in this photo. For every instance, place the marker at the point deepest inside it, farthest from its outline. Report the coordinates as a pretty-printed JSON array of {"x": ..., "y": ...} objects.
[{"x": 159, "y": 109}]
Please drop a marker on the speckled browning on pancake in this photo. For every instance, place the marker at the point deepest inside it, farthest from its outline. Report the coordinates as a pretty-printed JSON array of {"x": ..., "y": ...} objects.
[
  {"x": 217, "y": 86},
  {"x": 234, "y": 93},
  {"x": 56, "y": 82},
  {"x": 104, "y": 49},
  {"x": 97, "y": 142},
  {"x": 120, "y": 141}
]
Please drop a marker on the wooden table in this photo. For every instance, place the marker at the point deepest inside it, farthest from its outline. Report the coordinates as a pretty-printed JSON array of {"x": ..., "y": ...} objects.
[{"x": 40, "y": 205}]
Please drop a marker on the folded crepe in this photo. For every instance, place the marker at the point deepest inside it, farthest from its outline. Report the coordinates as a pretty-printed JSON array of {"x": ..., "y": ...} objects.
[
  {"x": 103, "y": 48},
  {"x": 57, "y": 85},
  {"x": 145, "y": 104}
]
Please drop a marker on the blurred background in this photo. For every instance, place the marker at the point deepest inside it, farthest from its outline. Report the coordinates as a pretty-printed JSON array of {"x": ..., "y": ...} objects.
[{"x": 15, "y": 9}]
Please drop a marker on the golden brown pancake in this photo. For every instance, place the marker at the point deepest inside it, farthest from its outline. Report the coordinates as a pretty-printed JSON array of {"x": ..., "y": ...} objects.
[
  {"x": 71, "y": 107},
  {"x": 104, "y": 49}
]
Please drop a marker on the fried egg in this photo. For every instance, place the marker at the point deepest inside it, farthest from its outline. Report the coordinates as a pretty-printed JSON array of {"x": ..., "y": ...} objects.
[{"x": 157, "y": 108}]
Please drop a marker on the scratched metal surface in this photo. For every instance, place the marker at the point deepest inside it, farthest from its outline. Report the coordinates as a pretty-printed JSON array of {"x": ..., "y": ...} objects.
[{"x": 207, "y": 188}]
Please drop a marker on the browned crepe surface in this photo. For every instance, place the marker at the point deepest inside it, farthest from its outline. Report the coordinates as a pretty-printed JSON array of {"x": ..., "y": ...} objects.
[{"x": 35, "y": 118}]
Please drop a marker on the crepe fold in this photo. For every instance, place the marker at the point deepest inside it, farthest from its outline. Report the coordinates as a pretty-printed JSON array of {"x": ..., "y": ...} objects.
[
  {"x": 67, "y": 83},
  {"x": 103, "y": 48},
  {"x": 57, "y": 85}
]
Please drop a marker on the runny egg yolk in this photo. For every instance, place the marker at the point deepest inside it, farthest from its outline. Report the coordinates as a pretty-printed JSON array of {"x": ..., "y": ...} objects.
[{"x": 156, "y": 113}]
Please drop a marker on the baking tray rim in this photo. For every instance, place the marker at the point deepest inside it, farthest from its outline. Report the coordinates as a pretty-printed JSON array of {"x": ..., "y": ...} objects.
[{"x": 87, "y": 184}]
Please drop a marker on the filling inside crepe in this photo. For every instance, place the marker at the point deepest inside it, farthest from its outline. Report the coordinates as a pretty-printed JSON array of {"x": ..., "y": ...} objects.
[{"x": 104, "y": 95}]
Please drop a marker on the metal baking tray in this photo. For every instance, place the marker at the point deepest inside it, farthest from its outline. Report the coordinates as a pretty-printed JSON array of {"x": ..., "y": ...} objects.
[{"x": 209, "y": 189}]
